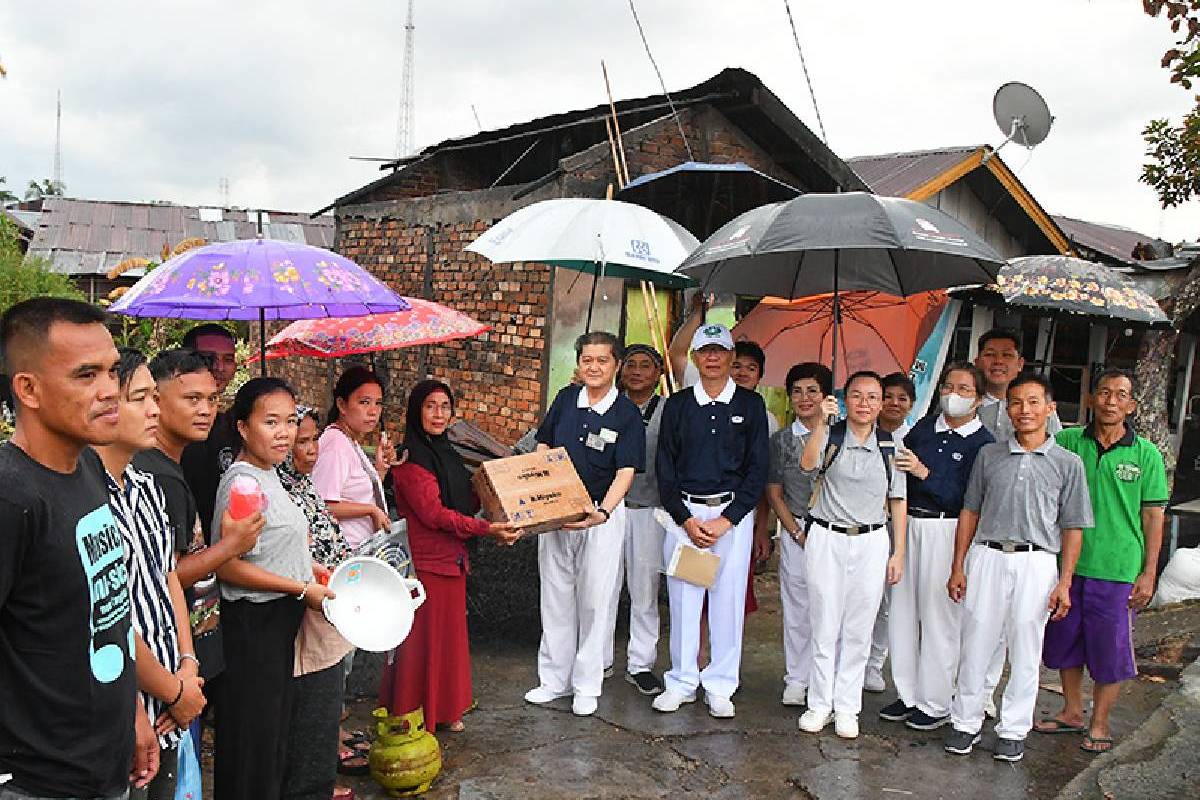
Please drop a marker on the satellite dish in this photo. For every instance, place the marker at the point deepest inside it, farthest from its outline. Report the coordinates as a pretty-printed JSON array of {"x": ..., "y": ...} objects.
[{"x": 1022, "y": 114}]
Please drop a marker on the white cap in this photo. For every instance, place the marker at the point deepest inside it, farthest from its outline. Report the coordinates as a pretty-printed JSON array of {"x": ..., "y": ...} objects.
[{"x": 712, "y": 334}]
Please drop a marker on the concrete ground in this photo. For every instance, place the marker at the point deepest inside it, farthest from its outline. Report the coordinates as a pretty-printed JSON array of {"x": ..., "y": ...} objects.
[{"x": 513, "y": 750}]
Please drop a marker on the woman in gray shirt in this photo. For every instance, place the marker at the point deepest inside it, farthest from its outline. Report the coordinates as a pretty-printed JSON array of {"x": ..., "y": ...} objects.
[{"x": 265, "y": 592}]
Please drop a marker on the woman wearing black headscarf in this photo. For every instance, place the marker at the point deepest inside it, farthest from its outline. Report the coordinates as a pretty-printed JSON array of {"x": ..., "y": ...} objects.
[{"x": 432, "y": 668}]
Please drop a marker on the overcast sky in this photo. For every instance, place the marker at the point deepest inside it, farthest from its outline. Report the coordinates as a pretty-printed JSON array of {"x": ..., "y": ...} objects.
[{"x": 160, "y": 101}]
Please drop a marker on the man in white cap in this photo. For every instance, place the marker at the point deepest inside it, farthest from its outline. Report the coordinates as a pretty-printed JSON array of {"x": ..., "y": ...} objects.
[{"x": 712, "y": 469}]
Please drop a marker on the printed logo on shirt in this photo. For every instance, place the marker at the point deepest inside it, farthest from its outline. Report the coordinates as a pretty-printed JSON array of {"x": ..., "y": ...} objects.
[
  {"x": 956, "y": 456},
  {"x": 736, "y": 419},
  {"x": 1127, "y": 472},
  {"x": 225, "y": 459},
  {"x": 102, "y": 553}
]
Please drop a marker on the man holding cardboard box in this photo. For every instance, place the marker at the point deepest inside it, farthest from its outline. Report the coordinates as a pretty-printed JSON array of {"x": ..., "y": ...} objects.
[
  {"x": 603, "y": 433},
  {"x": 712, "y": 470}
]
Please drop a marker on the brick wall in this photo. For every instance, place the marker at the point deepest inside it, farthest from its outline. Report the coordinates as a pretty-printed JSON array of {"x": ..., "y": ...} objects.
[{"x": 497, "y": 378}]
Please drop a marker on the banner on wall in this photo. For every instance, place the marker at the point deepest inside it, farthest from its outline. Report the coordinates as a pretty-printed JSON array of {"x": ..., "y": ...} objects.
[{"x": 931, "y": 358}]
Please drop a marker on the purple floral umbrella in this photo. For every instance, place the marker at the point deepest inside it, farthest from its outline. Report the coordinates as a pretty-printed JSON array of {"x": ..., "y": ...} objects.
[{"x": 261, "y": 279}]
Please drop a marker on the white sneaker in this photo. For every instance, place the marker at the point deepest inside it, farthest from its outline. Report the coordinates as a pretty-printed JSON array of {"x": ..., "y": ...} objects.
[
  {"x": 873, "y": 682},
  {"x": 846, "y": 725},
  {"x": 989, "y": 707},
  {"x": 719, "y": 707},
  {"x": 813, "y": 721},
  {"x": 583, "y": 705},
  {"x": 541, "y": 694},
  {"x": 794, "y": 694},
  {"x": 670, "y": 700}
]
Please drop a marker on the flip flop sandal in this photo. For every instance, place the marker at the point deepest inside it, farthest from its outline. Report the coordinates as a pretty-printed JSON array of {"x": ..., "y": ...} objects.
[
  {"x": 343, "y": 793},
  {"x": 1059, "y": 727},
  {"x": 356, "y": 764},
  {"x": 355, "y": 739},
  {"x": 1096, "y": 744}
]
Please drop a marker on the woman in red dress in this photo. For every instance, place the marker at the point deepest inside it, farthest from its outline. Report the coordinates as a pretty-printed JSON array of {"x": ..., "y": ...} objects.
[{"x": 432, "y": 668}]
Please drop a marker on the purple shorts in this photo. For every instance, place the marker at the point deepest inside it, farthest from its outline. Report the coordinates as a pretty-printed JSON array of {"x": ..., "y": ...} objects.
[{"x": 1096, "y": 632}]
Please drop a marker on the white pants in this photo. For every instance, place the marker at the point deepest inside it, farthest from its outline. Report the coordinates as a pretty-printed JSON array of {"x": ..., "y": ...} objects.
[
  {"x": 640, "y": 569},
  {"x": 846, "y": 575},
  {"x": 924, "y": 625},
  {"x": 797, "y": 627},
  {"x": 1006, "y": 597},
  {"x": 879, "y": 634},
  {"x": 578, "y": 569},
  {"x": 726, "y": 611}
]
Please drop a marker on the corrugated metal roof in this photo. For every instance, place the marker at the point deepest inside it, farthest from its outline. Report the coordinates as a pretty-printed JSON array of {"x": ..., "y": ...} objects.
[
  {"x": 898, "y": 174},
  {"x": 1113, "y": 241},
  {"x": 90, "y": 237}
]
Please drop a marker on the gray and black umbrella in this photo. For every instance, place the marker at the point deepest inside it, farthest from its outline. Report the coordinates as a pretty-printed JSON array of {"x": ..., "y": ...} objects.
[{"x": 833, "y": 243}]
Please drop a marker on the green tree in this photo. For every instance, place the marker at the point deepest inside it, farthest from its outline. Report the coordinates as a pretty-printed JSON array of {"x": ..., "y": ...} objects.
[
  {"x": 47, "y": 188},
  {"x": 1173, "y": 149},
  {"x": 22, "y": 278},
  {"x": 5, "y": 195}
]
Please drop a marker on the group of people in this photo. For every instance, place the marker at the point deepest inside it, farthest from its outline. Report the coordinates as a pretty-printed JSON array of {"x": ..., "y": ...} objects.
[
  {"x": 133, "y": 601},
  {"x": 981, "y": 535}
]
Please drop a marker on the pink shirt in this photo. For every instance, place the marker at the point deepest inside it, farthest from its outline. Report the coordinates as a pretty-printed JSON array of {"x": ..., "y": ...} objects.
[{"x": 343, "y": 472}]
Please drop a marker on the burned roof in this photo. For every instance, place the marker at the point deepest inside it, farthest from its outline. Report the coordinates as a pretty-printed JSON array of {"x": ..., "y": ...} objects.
[
  {"x": 90, "y": 237},
  {"x": 1114, "y": 244},
  {"x": 531, "y": 150}
]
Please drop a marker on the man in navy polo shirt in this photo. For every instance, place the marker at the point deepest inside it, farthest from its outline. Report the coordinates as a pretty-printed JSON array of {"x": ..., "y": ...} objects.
[
  {"x": 712, "y": 470},
  {"x": 602, "y": 431}
]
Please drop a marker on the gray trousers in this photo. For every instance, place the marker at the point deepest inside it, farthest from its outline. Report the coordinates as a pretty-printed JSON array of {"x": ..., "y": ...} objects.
[
  {"x": 163, "y": 785},
  {"x": 9, "y": 792}
]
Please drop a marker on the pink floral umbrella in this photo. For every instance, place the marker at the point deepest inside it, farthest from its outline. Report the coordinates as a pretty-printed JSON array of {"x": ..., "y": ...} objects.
[{"x": 425, "y": 322}]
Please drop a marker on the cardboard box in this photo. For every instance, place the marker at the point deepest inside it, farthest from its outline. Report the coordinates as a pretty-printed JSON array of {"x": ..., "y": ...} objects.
[{"x": 536, "y": 492}]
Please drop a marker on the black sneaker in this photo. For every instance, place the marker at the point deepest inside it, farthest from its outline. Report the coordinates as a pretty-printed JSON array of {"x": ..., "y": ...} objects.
[
  {"x": 897, "y": 711},
  {"x": 960, "y": 742},
  {"x": 646, "y": 682},
  {"x": 608, "y": 672},
  {"x": 1009, "y": 749},
  {"x": 918, "y": 720}
]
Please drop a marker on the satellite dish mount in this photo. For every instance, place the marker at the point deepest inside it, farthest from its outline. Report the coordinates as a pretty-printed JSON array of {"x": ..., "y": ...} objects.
[{"x": 1022, "y": 116}]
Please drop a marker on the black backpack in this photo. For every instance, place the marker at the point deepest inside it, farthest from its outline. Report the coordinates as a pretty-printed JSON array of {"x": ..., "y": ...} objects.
[{"x": 837, "y": 438}]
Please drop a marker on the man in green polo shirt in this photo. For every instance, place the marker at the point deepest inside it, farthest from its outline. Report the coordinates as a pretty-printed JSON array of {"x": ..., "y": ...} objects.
[{"x": 1115, "y": 573}]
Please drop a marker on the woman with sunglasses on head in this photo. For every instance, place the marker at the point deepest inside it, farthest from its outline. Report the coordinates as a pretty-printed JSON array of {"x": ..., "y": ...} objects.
[
  {"x": 264, "y": 594},
  {"x": 432, "y": 668}
]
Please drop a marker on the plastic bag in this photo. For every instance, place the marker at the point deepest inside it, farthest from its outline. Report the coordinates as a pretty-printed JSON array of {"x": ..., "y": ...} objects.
[
  {"x": 1181, "y": 579},
  {"x": 187, "y": 786},
  {"x": 390, "y": 546}
]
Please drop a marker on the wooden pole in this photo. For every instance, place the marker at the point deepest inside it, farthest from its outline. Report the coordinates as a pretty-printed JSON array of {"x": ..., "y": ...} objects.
[
  {"x": 612, "y": 145},
  {"x": 612, "y": 107},
  {"x": 655, "y": 339},
  {"x": 662, "y": 335}
]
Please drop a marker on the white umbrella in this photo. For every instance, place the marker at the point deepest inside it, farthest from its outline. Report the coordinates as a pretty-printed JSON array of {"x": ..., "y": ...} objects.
[{"x": 601, "y": 237}]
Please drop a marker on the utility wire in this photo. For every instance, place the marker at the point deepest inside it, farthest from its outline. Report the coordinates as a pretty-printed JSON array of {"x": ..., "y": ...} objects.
[
  {"x": 804, "y": 66},
  {"x": 661, "y": 82}
]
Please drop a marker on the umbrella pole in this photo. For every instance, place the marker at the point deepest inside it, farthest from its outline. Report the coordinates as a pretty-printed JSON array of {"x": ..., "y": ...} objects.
[
  {"x": 837, "y": 323},
  {"x": 587, "y": 328},
  {"x": 262, "y": 341}
]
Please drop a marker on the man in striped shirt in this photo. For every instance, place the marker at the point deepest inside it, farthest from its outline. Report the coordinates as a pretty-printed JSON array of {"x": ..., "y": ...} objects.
[{"x": 167, "y": 669}]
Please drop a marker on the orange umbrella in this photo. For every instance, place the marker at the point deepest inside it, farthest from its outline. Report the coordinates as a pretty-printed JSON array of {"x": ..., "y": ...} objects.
[
  {"x": 879, "y": 331},
  {"x": 424, "y": 322}
]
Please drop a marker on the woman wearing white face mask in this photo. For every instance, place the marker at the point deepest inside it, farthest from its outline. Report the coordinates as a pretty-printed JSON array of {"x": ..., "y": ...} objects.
[{"x": 924, "y": 624}]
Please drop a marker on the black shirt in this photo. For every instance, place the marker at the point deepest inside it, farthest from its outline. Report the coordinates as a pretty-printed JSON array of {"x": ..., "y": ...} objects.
[
  {"x": 708, "y": 447},
  {"x": 204, "y": 597},
  {"x": 205, "y": 462},
  {"x": 67, "y": 678},
  {"x": 599, "y": 444}
]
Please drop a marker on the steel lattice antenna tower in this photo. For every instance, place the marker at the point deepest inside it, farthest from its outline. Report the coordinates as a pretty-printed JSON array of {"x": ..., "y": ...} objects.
[
  {"x": 407, "y": 117},
  {"x": 56, "y": 176}
]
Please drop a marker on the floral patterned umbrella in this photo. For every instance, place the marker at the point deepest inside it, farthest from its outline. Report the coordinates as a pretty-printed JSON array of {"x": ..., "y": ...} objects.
[
  {"x": 425, "y": 322},
  {"x": 261, "y": 279},
  {"x": 1074, "y": 286}
]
